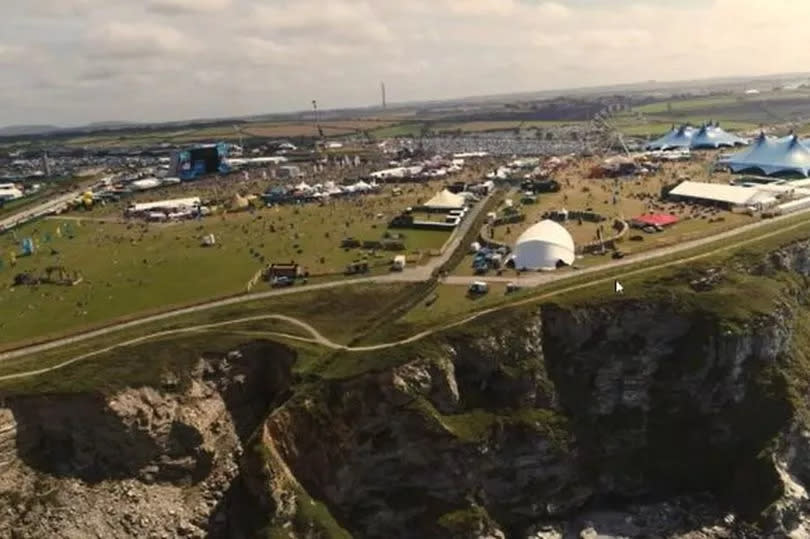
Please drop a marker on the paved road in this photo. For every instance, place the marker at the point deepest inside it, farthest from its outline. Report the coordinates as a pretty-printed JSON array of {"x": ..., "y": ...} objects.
[
  {"x": 57, "y": 203},
  {"x": 530, "y": 279},
  {"x": 414, "y": 274},
  {"x": 424, "y": 272},
  {"x": 317, "y": 338}
]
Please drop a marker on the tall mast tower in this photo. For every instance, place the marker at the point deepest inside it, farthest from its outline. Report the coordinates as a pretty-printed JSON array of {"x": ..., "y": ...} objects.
[{"x": 382, "y": 88}]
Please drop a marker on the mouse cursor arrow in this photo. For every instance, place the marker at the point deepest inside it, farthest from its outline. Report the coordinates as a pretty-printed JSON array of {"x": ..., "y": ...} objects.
[{"x": 617, "y": 287}]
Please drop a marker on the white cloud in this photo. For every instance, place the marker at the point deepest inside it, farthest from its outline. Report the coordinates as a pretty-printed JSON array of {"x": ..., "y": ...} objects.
[
  {"x": 179, "y": 7},
  {"x": 316, "y": 20},
  {"x": 138, "y": 40},
  {"x": 78, "y": 60},
  {"x": 11, "y": 54}
]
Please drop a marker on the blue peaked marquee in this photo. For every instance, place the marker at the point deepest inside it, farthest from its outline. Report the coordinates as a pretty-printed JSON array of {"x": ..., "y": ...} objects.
[
  {"x": 772, "y": 156},
  {"x": 688, "y": 137}
]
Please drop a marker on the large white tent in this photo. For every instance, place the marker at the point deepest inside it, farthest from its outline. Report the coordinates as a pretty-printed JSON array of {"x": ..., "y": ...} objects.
[
  {"x": 9, "y": 191},
  {"x": 730, "y": 195},
  {"x": 445, "y": 200},
  {"x": 543, "y": 245}
]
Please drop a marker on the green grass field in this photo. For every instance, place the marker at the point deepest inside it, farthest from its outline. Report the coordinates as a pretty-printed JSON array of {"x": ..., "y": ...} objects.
[
  {"x": 137, "y": 267},
  {"x": 340, "y": 314},
  {"x": 346, "y": 311},
  {"x": 687, "y": 105},
  {"x": 735, "y": 112}
]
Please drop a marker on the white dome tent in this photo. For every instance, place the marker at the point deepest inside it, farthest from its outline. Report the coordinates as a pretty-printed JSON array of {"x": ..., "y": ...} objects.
[{"x": 542, "y": 246}]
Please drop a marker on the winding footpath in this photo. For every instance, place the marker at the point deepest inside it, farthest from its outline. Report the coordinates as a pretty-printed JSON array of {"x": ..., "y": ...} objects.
[
  {"x": 414, "y": 275},
  {"x": 410, "y": 274}
]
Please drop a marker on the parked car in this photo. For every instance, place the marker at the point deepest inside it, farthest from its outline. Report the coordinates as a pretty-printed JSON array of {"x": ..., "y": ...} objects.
[
  {"x": 478, "y": 288},
  {"x": 282, "y": 281}
]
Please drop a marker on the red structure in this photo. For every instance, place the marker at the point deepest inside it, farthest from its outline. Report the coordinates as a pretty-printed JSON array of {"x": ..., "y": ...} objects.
[{"x": 656, "y": 219}]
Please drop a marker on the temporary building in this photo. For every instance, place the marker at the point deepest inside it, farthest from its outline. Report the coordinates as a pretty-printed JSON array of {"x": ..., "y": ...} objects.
[
  {"x": 543, "y": 246},
  {"x": 714, "y": 136},
  {"x": 146, "y": 183},
  {"x": 679, "y": 137},
  {"x": 771, "y": 156},
  {"x": 445, "y": 200},
  {"x": 9, "y": 192},
  {"x": 177, "y": 204},
  {"x": 397, "y": 172},
  {"x": 729, "y": 195}
]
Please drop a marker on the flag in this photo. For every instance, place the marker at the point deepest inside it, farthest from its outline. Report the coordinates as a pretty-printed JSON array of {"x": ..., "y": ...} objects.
[{"x": 58, "y": 231}]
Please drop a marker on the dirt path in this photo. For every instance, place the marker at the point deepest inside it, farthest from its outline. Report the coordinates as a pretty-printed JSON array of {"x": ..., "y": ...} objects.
[
  {"x": 414, "y": 275},
  {"x": 320, "y": 339}
]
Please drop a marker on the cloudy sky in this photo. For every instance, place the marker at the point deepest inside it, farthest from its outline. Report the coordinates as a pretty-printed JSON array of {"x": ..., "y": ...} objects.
[{"x": 69, "y": 62}]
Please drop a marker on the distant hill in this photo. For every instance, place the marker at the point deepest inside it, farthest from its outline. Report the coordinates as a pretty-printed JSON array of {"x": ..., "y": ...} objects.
[
  {"x": 21, "y": 130},
  {"x": 108, "y": 125}
]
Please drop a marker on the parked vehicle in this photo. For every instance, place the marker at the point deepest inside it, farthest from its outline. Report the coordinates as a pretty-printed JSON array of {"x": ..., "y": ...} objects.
[
  {"x": 478, "y": 288},
  {"x": 398, "y": 264},
  {"x": 282, "y": 281}
]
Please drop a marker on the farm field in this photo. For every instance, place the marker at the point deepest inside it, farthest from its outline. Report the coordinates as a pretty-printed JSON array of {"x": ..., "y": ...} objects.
[
  {"x": 742, "y": 113},
  {"x": 498, "y": 125},
  {"x": 129, "y": 267},
  {"x": 408, "y": 129},
  {"x": 305, "y": 129},
  {"x": 227, "y": 132},
  {"x": 658, "y": 128}
]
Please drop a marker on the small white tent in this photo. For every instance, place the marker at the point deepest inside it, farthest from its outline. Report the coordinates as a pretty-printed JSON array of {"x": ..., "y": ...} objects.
[{"x": 362, "y": 186}]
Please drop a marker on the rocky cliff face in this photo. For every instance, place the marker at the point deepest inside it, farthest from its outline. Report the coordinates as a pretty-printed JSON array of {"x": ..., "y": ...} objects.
[
  {"x": 652, "y": 416},
  {"x": 633, "y": 416},
  {"x": 144, "y": 462}
]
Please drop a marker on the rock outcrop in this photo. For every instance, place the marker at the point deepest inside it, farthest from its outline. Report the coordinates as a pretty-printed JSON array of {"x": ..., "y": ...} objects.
[
  {"x": 143, "y": 462},
  {"x": 619, "y": 418},
  {"x": 680, "y": 414}
]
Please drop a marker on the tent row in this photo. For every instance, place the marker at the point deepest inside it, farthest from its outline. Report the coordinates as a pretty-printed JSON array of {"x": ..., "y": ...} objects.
[
  {"x": 709, "y": 136},
  {"x": 329, "y": 188},
  {"x": 772, "y": 156}
]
